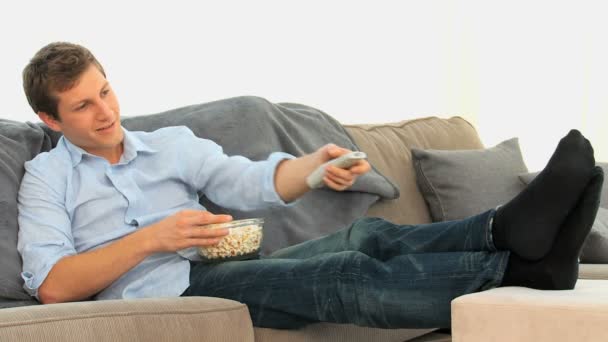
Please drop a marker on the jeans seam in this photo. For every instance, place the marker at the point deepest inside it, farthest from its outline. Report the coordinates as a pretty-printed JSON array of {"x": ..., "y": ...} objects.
[
  {"x": 330, "y": 275},
  {"x": 500, "y": 269},
  {"x": 489, "y": 237}
]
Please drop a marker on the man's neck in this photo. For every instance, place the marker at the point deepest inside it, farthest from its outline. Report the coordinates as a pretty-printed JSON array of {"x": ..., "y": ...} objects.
[{"x": 114, "y": 156}]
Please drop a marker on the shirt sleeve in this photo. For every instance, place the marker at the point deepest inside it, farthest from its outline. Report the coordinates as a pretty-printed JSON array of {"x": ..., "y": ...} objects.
[
  {"x": 45, "y": 234},
  {"x": 233, "y": 181}
]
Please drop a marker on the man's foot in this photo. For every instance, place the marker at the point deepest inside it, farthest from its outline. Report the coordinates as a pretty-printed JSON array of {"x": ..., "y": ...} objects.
[
  {"x": 559, "y": 269},
  {"x": 527, "y": 224}
]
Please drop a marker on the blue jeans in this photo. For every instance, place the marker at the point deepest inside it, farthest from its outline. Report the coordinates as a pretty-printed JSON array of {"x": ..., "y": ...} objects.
[{"x": 373, "y": 273}]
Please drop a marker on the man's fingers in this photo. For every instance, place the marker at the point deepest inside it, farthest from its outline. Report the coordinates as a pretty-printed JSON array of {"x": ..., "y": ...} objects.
[
  {"x": 335, "y": 151},
  {"x": 361, "y": 167},
  {"x": 338, "y": 172},
  {"x": 202, "y": 218},
  {"x": 202, "y": 232},
  {"x": 211, "y": 219},
  {"x": 334, "y": 184},
  {"x": 203, "y": 242},
  {"x": 341, "y": 180}
]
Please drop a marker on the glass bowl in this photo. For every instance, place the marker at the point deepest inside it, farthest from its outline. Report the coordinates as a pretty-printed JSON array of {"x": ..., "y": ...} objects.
[{"x": 242, "y": 242}]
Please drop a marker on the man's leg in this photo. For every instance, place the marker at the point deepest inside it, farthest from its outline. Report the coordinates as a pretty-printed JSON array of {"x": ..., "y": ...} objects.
[
  {"x": 382, "y": 240},
  {"x": 406, "y": 291},
  {"x": 415, "y": 290}
]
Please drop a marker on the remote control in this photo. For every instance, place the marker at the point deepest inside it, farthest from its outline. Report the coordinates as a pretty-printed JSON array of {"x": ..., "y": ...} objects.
[{"x": 315, "y": 180}]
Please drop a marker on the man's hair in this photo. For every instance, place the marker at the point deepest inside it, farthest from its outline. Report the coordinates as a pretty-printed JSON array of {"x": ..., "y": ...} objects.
[{"x": 55, "y": 68}]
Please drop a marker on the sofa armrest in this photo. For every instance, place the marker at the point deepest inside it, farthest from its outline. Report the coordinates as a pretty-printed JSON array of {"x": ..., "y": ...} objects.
[
  {"x": 593, "y": 271},
  {"x": 152, "y": 319}
]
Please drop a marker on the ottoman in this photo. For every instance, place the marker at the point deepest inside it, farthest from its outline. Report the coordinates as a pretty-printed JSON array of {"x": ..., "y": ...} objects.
[{"x": 523, "y": 314}]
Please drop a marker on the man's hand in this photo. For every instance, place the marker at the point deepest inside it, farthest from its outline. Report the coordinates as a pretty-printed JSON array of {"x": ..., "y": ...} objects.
[
  {"x": 183, "y": 230},
  {"x": 290, "y": 175},
  {"x": 335, "y": 177}
]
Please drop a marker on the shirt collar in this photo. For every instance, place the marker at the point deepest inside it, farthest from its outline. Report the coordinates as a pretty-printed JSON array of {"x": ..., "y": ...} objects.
[{"x": 131, "y": 143}]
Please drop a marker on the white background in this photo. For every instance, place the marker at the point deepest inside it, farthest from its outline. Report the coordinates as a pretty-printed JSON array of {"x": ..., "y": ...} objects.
[{"x": 531, "y": 69}]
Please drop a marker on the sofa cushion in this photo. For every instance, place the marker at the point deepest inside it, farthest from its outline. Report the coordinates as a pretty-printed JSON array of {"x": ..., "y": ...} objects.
[
  {"x": 331, "y": 332},
  {"x": 151, "y": 319},
  {"x": 595, "y": 248},
  {"x": 458, "y": 184},
  {"x": 388, "y": 147},
  {"x": 593, "y": 271},
  {"x": 19, "y": 142}
]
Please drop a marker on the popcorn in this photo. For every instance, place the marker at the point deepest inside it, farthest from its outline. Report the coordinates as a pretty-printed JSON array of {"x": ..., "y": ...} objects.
[{"x": 244, "y": 238}]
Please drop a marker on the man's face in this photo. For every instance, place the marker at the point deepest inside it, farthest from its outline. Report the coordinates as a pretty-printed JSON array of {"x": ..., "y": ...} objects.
[{"x": 90, "y": 115}]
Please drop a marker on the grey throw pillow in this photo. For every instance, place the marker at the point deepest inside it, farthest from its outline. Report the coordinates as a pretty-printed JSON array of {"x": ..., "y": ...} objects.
[
  {"x": 528, "y": 177},
  {"x": 19, "y": 142},
  {"x": 595, "y": 248},
  {"x": 460, "y": 183}
]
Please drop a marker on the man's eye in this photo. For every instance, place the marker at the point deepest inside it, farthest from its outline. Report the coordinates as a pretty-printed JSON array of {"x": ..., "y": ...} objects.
[
  {"x": 81, "y": 107},
  {"x": 105, "y": 92}
]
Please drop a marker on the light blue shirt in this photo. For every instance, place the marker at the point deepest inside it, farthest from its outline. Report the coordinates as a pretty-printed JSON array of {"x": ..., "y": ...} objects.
[{"x": 73, "y": 202}]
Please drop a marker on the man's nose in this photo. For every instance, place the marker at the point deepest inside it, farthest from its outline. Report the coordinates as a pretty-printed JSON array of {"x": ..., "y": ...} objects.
[{"x": 104, "y": 111}]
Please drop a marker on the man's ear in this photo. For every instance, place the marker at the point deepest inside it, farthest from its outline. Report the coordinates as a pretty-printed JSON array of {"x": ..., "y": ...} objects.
[{"x": 50, "y": 121}]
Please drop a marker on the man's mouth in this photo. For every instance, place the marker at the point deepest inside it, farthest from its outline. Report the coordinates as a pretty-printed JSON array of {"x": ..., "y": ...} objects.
[{"x": 106, "y": 127}]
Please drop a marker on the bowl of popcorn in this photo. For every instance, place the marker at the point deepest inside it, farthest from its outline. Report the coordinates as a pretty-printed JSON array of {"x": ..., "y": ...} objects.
[{"x": 242, "y": 242}]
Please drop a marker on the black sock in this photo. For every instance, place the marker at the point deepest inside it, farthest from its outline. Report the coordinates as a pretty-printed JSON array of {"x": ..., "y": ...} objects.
[
  {"x": 527, "y": 224},
  {"x": 559, "y": 269}
]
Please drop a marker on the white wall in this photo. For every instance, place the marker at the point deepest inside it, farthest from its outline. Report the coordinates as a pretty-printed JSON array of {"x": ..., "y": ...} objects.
[{"x": 531, "y": 69}]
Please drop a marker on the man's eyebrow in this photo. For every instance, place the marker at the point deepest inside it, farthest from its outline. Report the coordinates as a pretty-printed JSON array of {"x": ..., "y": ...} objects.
[{"x": 85, "y": 100}]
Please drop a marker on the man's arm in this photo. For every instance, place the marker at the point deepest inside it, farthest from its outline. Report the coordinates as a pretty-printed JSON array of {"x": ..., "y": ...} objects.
[
  {"x": 78, "y": 277},
  {"x": 290, "y": 176}
]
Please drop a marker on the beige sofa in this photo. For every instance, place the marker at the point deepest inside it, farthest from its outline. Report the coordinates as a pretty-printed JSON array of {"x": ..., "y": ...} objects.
[{"x": 215, "y": 319}]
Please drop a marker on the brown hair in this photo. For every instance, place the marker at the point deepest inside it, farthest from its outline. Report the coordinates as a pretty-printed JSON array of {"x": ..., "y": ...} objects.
[{"x": 55, "y": 68}]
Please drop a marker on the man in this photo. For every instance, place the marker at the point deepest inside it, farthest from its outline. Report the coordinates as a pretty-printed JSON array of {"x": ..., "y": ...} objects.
[{"x": 110, "y": 214}]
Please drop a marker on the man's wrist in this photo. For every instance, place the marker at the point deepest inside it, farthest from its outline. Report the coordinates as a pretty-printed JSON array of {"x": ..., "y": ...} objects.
[{"x": 147, "y": 244}]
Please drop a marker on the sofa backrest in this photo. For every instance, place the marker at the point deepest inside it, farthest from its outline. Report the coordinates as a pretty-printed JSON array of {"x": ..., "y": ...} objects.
[{"x": 388, "y": 147}]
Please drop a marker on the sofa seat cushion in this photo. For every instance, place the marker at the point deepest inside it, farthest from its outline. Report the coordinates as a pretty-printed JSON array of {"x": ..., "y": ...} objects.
[
  {"x": 388, "y": 147},
  {"x": 523, "y": 314},
  {"x": 161, "y": 319},
  {"x": 330, "y": 332},
  {"x": 593, "y": 271}
]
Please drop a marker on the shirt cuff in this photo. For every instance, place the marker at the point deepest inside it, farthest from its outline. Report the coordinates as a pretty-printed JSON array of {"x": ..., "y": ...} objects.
[
  {"x": 29, "y": 284},
  {"x": 190, "y": 254},
  {"x": 31, "y": 281},
  {"x": 269, "y": 191}
]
